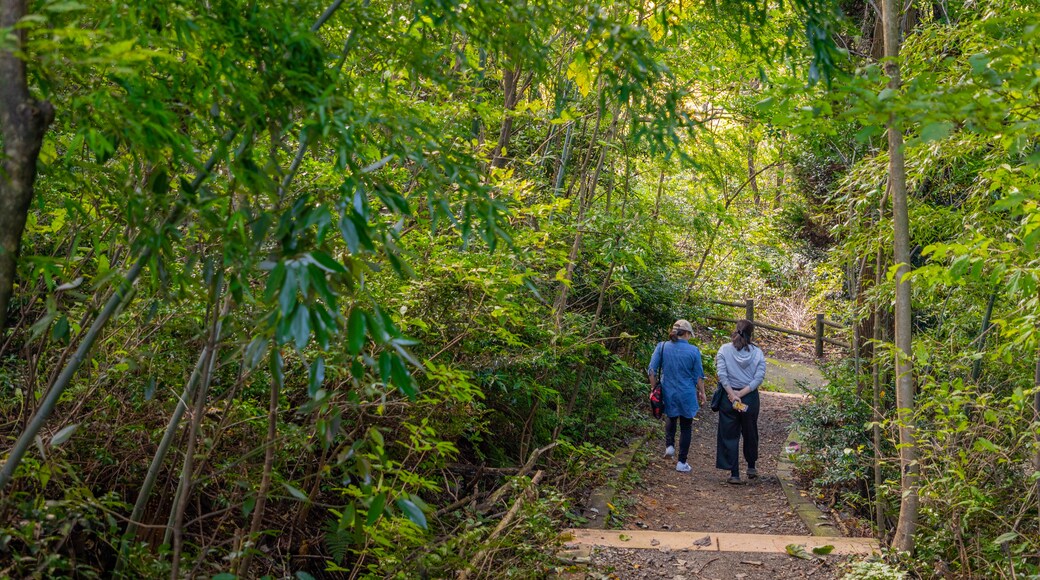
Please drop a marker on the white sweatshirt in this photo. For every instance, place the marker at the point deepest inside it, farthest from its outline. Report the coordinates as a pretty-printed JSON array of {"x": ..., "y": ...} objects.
[{"x": 740, "y": 368}]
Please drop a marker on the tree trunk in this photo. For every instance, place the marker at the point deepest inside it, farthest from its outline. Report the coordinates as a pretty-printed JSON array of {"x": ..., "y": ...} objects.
[
  {"x": 903, "y": 540},
  {"x": 585, "y": 195},
  {"x": 980, "y": 341},
  {"x": 175, "y": 524},
  {"x": 879, "y": 504},
  {"x": 242, "y": 567},
  {"x": 660, "y": 192},
  {"x": 752, "y": 146},
  {"x": 23, "y": 123},
  {"x": 1036, "y": 408},
  {"x": 513, "y": 91}
]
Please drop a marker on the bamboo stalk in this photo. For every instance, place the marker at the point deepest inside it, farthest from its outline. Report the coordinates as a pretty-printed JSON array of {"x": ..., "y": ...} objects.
[
  {"x": 242, "y": 567},
  {"x": 114, "y": 302}
]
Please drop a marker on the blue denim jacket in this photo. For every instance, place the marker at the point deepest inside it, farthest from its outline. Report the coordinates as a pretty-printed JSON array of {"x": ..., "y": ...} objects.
[{"x": 682, "y": 368}]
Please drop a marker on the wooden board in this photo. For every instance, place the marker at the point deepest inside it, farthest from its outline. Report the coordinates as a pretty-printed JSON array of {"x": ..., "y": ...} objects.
[{"x": 721, "y": 542}]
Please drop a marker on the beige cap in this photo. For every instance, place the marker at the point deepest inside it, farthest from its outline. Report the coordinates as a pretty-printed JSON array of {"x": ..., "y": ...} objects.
[{"x": 683, "y": 325}]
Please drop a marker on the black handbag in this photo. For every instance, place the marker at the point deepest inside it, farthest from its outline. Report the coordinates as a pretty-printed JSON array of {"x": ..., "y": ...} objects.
[{"x": 716, "y": 399}]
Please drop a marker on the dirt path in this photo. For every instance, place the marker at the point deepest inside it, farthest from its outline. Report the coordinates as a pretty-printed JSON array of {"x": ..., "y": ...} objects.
[
  {"x": 702, "y": 500},
  {"x": 668, "y": 501}
]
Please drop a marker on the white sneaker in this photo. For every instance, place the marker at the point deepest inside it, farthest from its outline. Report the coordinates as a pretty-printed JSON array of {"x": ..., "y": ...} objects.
[
  {"x": 683, "y": 467},
  {"x": 669, "y": 451}
]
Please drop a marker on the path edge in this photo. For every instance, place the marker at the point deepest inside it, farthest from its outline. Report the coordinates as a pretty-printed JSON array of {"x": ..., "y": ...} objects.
[
  {"x": 598, "y": 510},
  {"x": 811, "y": 515}
]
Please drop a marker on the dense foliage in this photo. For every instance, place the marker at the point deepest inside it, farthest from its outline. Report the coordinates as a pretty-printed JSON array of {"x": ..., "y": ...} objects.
[
  {"x": 969, "y": 104},
  {"x": 309, "y": 290}
]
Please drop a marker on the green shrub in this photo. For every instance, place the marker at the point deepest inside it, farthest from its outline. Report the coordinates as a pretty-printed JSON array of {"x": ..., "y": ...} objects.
[{"x": 872, "y": 570}]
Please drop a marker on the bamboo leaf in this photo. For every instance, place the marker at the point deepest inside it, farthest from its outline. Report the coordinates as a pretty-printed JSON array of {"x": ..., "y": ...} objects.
[
  {"x": 63, "y": 435},
  {"x": 413, "y": 512},
  {"x": 295, "y": 491}
]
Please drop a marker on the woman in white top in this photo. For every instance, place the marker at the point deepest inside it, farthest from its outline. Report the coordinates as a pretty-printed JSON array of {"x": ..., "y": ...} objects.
[{"x": 741, "y": 367}]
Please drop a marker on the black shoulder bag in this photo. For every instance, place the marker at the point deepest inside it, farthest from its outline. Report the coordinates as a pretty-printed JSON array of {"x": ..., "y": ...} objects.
[{"x": 716, "y": 399}]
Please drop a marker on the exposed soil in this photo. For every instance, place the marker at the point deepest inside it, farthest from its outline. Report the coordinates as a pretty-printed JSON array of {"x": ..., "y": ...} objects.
[
  {"x": 680, "y": 565},
  {"x": 701, "y": 500}
]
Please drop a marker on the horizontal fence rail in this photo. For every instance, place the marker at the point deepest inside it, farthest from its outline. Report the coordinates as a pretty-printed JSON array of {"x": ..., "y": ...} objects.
[{"x": 819, "y": 337}]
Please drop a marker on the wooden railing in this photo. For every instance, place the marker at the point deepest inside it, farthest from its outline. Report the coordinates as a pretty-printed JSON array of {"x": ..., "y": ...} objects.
[{"x": 819, "y": 336}]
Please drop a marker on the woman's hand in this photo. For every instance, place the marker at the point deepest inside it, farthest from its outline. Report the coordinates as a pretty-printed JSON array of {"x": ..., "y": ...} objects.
[{"x": 701, "y": 398}]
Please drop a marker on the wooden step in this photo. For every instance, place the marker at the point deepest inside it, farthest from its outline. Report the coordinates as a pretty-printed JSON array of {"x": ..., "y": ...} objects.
[{"x": 712, "y": 541}]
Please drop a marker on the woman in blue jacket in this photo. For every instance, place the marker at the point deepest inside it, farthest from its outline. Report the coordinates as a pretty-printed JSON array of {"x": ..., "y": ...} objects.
[
  {"x": 741, "y": 367},
  {"x": 677, "y": 364}
]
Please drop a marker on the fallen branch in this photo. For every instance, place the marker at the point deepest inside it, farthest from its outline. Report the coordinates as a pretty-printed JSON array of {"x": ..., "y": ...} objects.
[
  {"x": 457, "y": 504},
  {"x": 703, "y": 566},
  {"x": 480, "y": 469},
  {"x": 464, "y": 574},
  {"x": 502, "y": 491}
]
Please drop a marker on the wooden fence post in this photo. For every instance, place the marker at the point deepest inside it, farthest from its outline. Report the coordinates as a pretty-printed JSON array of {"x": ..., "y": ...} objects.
[
  {"x": 819, "y": 335},
  {"x": 749, "y": 309}
]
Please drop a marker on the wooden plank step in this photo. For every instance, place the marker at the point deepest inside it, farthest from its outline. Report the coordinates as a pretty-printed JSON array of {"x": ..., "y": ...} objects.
[{"x": 712, "y": 541}]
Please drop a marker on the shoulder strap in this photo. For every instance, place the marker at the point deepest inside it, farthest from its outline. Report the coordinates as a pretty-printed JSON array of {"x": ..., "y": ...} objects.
[{"x": 660, "y": 366}]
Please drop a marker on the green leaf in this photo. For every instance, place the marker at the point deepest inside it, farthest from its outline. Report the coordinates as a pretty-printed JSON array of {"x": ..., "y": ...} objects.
[
  {"x": 413, "y": 512},
  {"x": 983, "y": 444},
  {"x": 327, "y": 262},
  {"x": 276, "y": 365},
  {"x": 295, "y": 491},
  {"x": 375, "y": 509},
  {"x": 823, "y": 550},
  {"x": 355, "y": 331},
  {"x": 402, "y": 378},
  {"x": 316, "y": 374},
  {"x": 798, "y": 551},
  {"x": 1005, "y": 538},
  {"x": 68, "y": 6},
  {"x": 247, "y": 505},
  {"x": 63, "y": 435},
  {"x": 936, "y": 131},
  {"x": 300, "y": 328},
  {"x": 60, "y": 330},
  {"x": 301, "y": 575},
  {"x": 224, "y": 576}
]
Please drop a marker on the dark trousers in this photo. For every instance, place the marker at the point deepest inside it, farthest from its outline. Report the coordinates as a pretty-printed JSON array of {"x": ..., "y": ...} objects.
[
  {"x": 734, "y": 425},
  {"x": 685, "y": 427}
]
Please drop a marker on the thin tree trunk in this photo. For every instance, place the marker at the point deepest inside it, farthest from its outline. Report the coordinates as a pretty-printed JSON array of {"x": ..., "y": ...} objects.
[
  {"x": 752, "y": 146},
  {"x": 23, "y": 123},
  {"x": 903, "y": 540},
  {"x": 265, "y": 480},
  {"x": 879, "y": 504},
  {"x": 564, "y": 157},
  {"x": 980, "y": 341},
  {"x": 1036, "y": 409},
  {"x": 585, "y": 197},
  {"x": 160, "y": 455},
  {"x": 514, "y": 90},
  {"x": 660, "y": 193},
  {"x": 585, "y": 194},
  {"x": 188, "y": 468}
]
